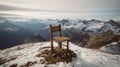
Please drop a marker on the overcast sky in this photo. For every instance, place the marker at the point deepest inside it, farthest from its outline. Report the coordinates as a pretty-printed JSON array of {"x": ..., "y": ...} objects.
[
  {"x": 61, "y": 8},
  {"x": 64, "y": 5}
]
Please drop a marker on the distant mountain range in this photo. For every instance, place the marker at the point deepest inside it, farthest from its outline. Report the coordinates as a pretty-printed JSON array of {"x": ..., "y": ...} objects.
[
  {"x": 79, "y": 30},
  {"x": 14, "y": 31}
]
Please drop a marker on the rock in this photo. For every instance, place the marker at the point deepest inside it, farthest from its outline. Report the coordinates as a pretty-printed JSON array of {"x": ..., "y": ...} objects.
[
  {"x": 28, "y": 64},
  {"x": 102, "y": 39},
  {"x": 13, "y": 65},
  {"x": 42, "y": 61}
]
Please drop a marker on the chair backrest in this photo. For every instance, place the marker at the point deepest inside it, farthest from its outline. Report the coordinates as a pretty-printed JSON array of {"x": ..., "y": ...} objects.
[{"x": 55, "y": 29}]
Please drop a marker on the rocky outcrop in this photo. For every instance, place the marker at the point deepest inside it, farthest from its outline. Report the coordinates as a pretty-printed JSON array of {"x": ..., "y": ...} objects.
[{"x": 102, "y": 39}]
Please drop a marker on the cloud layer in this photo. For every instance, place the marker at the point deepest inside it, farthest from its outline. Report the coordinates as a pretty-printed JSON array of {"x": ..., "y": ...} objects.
[{"x": 65, "y": 5}]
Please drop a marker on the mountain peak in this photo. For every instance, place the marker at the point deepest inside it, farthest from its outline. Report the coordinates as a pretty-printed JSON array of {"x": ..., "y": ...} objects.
[{"x": 27, "y": 55}]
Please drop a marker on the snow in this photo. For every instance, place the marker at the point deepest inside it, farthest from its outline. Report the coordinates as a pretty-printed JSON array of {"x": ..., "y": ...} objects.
[
  {"x": 85, "y": 57},
  {"x": 117, "y": 18},
  {"x": 94, "y": 25},
  {"x": 111, "y": 48},
  {"x": 90, "y": 25},
  {"x": 76, "y": 26}
]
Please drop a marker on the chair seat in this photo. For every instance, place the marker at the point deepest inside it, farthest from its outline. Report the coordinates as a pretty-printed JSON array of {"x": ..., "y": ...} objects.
[{"x": 61, "y": 39}]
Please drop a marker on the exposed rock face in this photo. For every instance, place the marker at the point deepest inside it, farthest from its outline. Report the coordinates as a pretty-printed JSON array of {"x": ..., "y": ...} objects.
[{"x": 102, "y": 39}]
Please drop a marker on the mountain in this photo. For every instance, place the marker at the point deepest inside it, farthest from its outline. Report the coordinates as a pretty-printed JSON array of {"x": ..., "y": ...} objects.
[
  {"x": 34, "y": 38},
  {"x": 27, "y": 55},
  {"x": 94, "y": 33},
  {"x": 81, "y": 30},
  {"x": 78, "y": 30},
  {"x": 11, "y": 34},
  {"x": 76, "y": 35},
  {"x": 102, "y": 39}
]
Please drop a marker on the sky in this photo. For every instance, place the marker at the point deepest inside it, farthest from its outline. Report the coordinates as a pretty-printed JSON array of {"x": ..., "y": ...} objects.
[{"x": 61, "y": 7}]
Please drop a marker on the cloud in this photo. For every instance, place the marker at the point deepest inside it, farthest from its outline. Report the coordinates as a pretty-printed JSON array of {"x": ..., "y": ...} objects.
[
  {"x": 11, "y": 29},
  {"x": 13, "y": 8},
  {"x": 65, "y": 5},
  {"x": 60, "y": 8},
  {"x": 117, "y": 18}
]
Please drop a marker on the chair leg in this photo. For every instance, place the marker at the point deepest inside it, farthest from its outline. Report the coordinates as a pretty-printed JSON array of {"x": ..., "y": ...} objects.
[
  {"x": 52, "y": 47},
  {"x": 67, "y": 45},
  {"x": 59, "y": 46}
]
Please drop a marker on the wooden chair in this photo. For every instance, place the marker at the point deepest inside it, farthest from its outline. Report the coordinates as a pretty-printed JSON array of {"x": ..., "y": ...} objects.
[{"x": 58, "y": 39}]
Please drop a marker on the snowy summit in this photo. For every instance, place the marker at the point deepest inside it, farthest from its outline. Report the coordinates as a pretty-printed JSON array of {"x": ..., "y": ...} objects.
[{"x": 26, "y": 55}]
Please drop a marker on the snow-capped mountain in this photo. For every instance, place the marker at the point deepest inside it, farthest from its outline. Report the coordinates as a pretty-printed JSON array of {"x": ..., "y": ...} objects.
[
  {"x": 81, "y": 30},
  {"x": 91, "y": 26},
  {"x": 26, "y": 56},
  {"x": 78, "y": 30}
]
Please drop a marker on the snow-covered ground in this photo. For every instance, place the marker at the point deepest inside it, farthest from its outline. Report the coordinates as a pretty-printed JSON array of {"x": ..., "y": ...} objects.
[
  {"x": 113, "y": 48},
  {"x": 85, "y": 57}
]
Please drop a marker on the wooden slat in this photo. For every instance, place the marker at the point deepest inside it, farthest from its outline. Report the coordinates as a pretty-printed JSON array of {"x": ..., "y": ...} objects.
[
  {"x": 60, "y": 39},
  {"x": 55, "y": 28}
]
